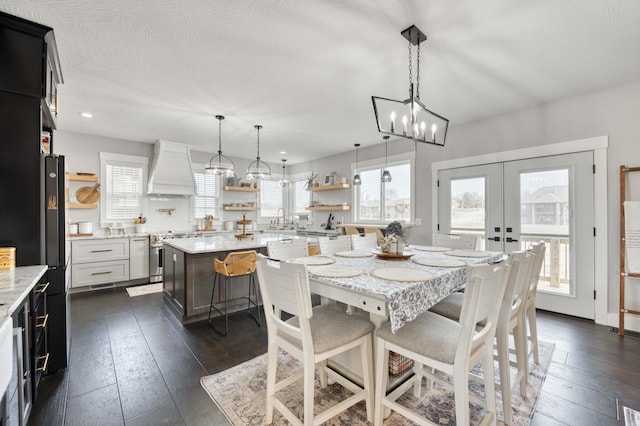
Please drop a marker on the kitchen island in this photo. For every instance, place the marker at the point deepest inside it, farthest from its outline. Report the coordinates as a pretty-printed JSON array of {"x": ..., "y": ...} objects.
[{"x": 188, "y": 271}]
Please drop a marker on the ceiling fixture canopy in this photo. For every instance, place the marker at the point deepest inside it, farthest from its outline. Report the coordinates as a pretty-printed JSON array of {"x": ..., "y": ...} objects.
[
  {"x": 356, "y": 177},
  {"x": 219, "y": 164},
  {"x": 410, "y": 118},
  {"x": 386, "y": 176},
  {"x": 258, "y": 169}
]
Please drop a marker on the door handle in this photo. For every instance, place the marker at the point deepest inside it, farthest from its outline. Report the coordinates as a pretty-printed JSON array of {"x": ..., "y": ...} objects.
[
  {"x": 511, "y": 240},
  {"x": 494, "y": 238}
]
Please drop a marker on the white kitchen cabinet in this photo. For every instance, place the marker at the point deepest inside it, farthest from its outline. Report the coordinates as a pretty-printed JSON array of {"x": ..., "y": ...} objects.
[
  {"x": 99, "y": 250},
  {"x": 138, "y": 257},
  {"x": 93, "y": 273}
]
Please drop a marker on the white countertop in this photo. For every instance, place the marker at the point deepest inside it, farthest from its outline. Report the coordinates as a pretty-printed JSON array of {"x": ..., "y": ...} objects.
[
  {"x": 103, "y": 236},
  {"x": 211, "y": 244},
  {"x": 15, "y": 285}
]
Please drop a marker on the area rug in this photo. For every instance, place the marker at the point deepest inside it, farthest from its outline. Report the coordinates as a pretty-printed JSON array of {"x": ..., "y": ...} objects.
[
  {"x": 141, "y": 290},
  {"x": 240, "y": 394}
]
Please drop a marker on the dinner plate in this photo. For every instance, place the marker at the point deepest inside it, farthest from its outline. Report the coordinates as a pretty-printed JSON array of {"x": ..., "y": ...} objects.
[
  {"x": 431, "y": 248},
  {"x": 393, "y": 256},
  {"x": 335, "y": 271},
  {"x": 440, "y": 263},
  {"x": 353, "y": 253},
  {"x": 313, "y": 260},
  {"x": 468, "y": 253},
  {"x": 402, "y": 274}
]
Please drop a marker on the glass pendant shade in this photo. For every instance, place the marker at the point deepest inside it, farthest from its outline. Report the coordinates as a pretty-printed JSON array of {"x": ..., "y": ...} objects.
[
  {"x": 284, "y": 180},
  {"x": 386, "y": 176},
  {"x": 258, "y": 168},
  {"x": 220, "y": 164},
  {"x": 356, "y": 177}
]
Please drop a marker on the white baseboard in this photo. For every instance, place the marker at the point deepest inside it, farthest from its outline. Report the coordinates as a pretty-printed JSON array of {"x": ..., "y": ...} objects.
[{"x": 631, "y": 322}]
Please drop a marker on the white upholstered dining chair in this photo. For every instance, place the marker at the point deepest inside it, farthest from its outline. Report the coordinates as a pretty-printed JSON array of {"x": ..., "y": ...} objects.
[
  {"x": 288, "y": 249},
  {"x": 363, "y": 241},
  {"x": 510, "y": 320},
  {"x": 329, "y": 245},
  {"x": 312, "y": 335},
  {"x": 455, "y": 241},
  {"x": 438, "y": 343},
  {"x": 530, "y": 305}
]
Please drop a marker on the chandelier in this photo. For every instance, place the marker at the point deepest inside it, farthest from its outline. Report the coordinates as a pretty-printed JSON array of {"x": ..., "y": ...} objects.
[
  {"x": 386, "y": 175},
  {"x": 258, "y": 169},
  {"x": 284, "y": 181},
  {"x": 219, "y": 164},
  {"x": 410, "y": 118}
]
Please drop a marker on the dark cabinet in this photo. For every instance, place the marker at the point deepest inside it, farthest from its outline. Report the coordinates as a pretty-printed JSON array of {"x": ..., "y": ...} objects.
[
  {"x": 174, "y": 276},
  {"x": 19, "y": 394}
]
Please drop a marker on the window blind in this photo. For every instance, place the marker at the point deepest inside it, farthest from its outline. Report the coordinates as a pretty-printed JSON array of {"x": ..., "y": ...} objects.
[
  {"x": 207, "y": 194},
  {"x": 271, "y": 198},
  {"x": 301, "y": 197},
  {"x": 124, "y": 186}
]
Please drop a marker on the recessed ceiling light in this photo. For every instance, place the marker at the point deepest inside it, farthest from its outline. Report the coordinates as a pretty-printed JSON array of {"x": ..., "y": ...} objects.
[
  {"x": 86, "y": 114},
  {"x": 283, "y": 152}
]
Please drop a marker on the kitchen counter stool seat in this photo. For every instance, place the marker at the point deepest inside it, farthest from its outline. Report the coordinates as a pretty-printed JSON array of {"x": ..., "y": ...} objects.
[{"x": 235, "y": 264}]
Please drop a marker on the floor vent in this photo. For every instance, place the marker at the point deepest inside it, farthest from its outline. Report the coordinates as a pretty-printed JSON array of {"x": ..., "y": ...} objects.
[{"x": 626, "y": 332}]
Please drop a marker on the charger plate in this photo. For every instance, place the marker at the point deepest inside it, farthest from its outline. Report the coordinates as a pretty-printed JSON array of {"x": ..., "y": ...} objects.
[
  {"x": 313, "y": 260},
  {"x": 439, "y": 262},
  {"x": 402, "y": 274},
  {"x": 431, "y": 248},
  {"x": 468, "y": 253},
  {"x": 353, "y": 253},
  {"x": 335, "y": 271},
  {"x": 393, "y": 256}
]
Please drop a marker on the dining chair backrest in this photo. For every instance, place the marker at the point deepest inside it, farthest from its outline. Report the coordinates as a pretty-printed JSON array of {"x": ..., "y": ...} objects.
[
  {"x": 526, "y": 260},
  {"x": 455, "y": 241},
  {"x": 351, "y": 230},
  {"x": 363, "y": 241},
  {"x": 288, "y": 249},
  {"x": 483, "y": 297},
  {"x": 285, "y": 288},
  {"x": 330, "y": 245},
  {"x": 539, "y": 250}
]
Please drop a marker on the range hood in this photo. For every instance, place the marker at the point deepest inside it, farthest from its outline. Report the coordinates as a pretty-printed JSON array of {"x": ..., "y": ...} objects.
[{"x": 171, "y": 172}]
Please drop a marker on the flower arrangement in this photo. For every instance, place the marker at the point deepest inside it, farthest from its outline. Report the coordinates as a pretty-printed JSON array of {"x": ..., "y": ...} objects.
[
  {"x": 310, "y": 179},
  {"x": 393, "y": 240}
]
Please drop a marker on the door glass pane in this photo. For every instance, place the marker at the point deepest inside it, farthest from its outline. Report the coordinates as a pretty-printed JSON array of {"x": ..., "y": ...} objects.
[
  {"x": 468, "y": 207},
  {"x": 544, "y": 216},
  {"x": 397, "y": 203}
]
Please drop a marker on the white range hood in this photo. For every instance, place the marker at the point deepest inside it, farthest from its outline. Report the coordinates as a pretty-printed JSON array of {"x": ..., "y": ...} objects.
[{"x": 171, "y": 172}]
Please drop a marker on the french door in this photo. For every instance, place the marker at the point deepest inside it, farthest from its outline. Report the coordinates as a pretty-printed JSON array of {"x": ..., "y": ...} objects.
[{"x": 513, "y": 204}]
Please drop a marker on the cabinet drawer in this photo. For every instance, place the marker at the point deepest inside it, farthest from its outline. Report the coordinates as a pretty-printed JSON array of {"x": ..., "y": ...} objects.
[
  {"x": 99, "y": 273},
  {"x": 87, "y": 251}
]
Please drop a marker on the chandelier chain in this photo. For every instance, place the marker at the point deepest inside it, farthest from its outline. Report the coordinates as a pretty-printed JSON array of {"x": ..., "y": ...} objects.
[
  {"x": 410, "y": 70},
  {"x": 219, "y": 136},
  {"x": 418, "y": 73}
]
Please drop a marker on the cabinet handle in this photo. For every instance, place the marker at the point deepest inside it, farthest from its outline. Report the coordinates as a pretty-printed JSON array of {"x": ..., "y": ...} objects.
[
  {"x": 511, "y": 240},
  {"x": 44, "y": 319},
  {"x": 42, "y": 287},
  {"x": 46, "y": 362},
  {"x": 101, "y": 251},
  {"x": 102, "y": 273}
]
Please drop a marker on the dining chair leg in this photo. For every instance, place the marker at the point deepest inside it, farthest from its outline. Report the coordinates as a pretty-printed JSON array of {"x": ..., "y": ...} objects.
[
  {"x": 272, "y": 365},
  {"x": 309, "y": 379},
  {"x": 323, "y": 374},
  {"x": 382, "y": 378},
  {"x": 488, "y": 372},
  {"x": 461, "y": 394},
  {"x": 533, "y": 329},
  {"x": 502, "y": 343},
  {"x": 367, "y": 371},
  {"x": 520, "y": 340},
  {"x": 418, "y": 375}
]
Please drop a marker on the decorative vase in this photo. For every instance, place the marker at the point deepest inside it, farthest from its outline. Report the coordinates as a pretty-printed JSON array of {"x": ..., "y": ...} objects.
[{"x": 141, "y": 228}]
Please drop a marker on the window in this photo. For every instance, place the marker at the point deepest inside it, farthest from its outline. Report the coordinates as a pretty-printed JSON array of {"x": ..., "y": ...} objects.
[
  {"x": 376, "y": 201},
  {"x": 271, "y": 199},
  {"x": 300, "y": 197},
  {"x": 123, "y": 186},
  {"x": 207, "y": 199}
]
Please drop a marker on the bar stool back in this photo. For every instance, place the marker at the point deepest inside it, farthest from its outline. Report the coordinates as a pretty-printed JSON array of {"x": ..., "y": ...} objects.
[{"x": 235, "y": 264}]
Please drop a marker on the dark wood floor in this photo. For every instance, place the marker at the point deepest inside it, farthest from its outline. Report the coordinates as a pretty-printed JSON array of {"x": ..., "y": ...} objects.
[{"x": 132, "y": 362}]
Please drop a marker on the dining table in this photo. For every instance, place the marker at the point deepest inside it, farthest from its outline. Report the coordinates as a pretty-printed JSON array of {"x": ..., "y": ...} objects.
[{"x": 395, "y": 287}]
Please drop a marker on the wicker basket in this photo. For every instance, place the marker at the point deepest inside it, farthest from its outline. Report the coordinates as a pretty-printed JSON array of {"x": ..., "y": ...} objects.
[{"x": 398, "y": 364}]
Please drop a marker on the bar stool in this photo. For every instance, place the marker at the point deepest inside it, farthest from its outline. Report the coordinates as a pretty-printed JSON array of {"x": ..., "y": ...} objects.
[{"x": 236, "y": 264}]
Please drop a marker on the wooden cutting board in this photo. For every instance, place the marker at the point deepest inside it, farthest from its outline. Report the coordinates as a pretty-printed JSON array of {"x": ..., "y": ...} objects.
[{"x": 88, "y": 194}]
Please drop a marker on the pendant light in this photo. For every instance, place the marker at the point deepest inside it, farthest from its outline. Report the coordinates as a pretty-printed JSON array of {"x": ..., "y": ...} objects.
[
  {"x": 356, "y": 177},
  {"x": 284, "y": 181},
  {"x": 258, "y": 169},
  {"x": 219, "y": 164},
  {"x": 417, "y": 122},
  {"x": 386, "y": 176}
]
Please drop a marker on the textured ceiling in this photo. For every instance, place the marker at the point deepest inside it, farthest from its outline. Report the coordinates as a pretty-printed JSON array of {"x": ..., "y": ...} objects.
[{"x": 306, "y": 70}]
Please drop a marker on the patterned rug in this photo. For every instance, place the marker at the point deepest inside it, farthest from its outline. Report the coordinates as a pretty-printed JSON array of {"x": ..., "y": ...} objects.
[
  {"x": 240, "y": 394},
  {"x": 141, "y": 290}
]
